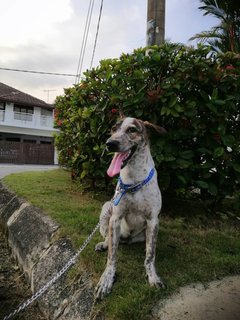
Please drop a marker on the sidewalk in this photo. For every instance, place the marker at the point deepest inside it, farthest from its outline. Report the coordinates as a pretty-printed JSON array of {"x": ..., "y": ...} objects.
[{"x": 6, "y": 169}]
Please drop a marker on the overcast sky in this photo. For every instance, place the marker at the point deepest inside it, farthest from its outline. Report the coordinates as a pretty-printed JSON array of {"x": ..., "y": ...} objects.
[{"x": 46, "y": 35}]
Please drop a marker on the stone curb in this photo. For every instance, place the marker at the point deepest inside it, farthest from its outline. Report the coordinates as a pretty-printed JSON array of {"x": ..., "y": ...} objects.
[{"x": 30, "y": 235}]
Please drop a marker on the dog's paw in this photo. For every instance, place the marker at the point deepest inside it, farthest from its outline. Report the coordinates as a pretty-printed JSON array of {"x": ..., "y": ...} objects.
[
  {"x": 101, "y": 246},
  {"x": 156, "y": 281},
  {"x": 105, "y": 283}
]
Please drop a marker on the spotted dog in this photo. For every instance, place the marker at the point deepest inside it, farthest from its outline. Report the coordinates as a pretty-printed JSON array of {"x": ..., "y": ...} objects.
[{"x": 133, "y": 213}]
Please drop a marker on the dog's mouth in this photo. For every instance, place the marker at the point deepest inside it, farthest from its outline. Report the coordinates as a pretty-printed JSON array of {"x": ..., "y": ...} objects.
[{"x": 119, "y": 161}]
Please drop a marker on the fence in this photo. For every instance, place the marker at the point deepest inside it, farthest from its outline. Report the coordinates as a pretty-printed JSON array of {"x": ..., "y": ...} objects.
[{"x": 26, "y": 153}]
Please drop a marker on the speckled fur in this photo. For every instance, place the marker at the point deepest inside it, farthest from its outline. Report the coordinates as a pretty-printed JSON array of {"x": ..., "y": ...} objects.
[{"x": 136, "y": 217}]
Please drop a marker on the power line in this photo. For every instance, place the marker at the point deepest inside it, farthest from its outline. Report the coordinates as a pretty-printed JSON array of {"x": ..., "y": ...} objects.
[
  {"x": 96, "y": 37},
  {"x": 40, "y": 72},
  {"x": 82, "y": 51},
  {"x": 84, "y": 42}
]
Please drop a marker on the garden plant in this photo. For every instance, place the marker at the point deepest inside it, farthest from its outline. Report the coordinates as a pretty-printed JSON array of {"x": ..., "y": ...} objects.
[{"x": 193, "y": 93}]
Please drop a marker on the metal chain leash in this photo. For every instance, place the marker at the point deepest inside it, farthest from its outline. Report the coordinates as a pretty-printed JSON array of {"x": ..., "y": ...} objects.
[
  {"x": 42, "y": 290},
  {"x": 72, "y": 261}
]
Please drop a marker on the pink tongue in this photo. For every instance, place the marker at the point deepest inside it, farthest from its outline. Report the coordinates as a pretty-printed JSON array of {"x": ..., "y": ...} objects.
[{"x": 116, "y": 164}]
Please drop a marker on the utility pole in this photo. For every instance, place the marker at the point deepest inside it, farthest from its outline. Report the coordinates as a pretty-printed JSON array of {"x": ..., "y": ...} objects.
[{"x": 155, "y": 22}]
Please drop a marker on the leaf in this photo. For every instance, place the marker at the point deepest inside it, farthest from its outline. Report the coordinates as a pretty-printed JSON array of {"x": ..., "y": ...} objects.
[
  {"x": 212, "y": 107},
  {"x": 114, "y": 83},
  {"x": 188, "y": 154},
  {"x": 96, "y": 147},
  {"x": 215, "y": 94},
  {"x": 182, "y": 179},
  {"x": 172, "y": 102},
  {"x": 222, "y": 128},
  {"x": 228, "y": 140},
  {"x": 165, "y": 181},
  {"x": 220, "y": 102},
  {"x": 202, "y": 184},
  {"x": 236, "y": 167},
  {"x": 169, "y": 158},
  {"x": 139, "y": 113},
  {"x": 212, "y": 189},
  {"x": 190, "y": 112},
  {"x": 164, "y": 110},
  {"x": 108, "y": 75},
  {"x": 173, "y": 113},
  {"x": 218, "y": 152},
  {"x": 178, "y": 108},
  {"x": 156, "y": 57},
  {"x": 204, "y": 95},
  {"x": 183, "y": 163},
  {"x": 138, "y": 74},
  {"x": 83, "y": 174},
  {"x": 177, "y": 86}
]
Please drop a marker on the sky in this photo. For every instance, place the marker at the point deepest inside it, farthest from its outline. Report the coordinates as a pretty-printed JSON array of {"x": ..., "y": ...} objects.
[{"x": 47, "y": 35}]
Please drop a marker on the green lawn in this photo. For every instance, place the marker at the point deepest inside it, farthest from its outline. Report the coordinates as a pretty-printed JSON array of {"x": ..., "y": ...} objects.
[{"x": 189, "y": 249}]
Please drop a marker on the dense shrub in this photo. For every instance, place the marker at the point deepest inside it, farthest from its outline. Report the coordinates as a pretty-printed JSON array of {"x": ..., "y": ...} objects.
[{"x": 195, "y": 95}]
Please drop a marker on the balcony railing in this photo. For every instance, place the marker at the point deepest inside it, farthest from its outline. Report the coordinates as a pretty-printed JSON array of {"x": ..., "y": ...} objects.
[
  {"x": 46, "y": 121},
  {"x": 23, "y": 116},
  {"x": 27, "y": 120}
]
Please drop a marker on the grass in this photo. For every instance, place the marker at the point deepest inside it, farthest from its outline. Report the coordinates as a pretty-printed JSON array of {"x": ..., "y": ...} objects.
[{"x": 189, "y": 249}]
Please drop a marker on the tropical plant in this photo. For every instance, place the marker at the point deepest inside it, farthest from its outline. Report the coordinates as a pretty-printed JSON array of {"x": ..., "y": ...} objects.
[{"x": 226, "y": 35}]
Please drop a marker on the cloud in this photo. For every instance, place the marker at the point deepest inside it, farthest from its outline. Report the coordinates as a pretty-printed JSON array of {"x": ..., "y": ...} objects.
[
  {"x": 28, "y": 21},
  {"x": 46, "y": 35}
]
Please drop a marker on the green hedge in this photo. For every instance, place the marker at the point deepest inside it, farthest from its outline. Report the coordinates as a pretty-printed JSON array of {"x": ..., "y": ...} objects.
[{"x": 192, "y": 93}]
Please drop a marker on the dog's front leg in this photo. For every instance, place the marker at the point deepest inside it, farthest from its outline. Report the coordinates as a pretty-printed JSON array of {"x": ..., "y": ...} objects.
[
  {"x": 151, "y": 241},
  {"x": 106, "y": 281}
]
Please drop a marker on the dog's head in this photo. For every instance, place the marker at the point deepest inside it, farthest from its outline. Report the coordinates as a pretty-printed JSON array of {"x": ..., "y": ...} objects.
[{"x": 128, "y": 135}]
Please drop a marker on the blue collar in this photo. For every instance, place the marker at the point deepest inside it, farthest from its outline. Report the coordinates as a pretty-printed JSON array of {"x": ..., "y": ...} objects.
[{"x": 123, "y": 188}]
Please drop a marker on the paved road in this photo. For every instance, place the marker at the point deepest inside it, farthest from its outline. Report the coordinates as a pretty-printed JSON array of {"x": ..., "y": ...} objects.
[{"x": 6, "y": 169}]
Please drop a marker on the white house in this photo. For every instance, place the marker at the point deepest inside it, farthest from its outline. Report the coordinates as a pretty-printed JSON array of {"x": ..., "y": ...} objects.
[{"x": 26, "y": 128}]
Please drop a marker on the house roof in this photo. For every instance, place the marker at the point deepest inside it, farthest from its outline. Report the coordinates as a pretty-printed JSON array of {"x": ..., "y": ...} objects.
[{"x": 10, "y": 94}]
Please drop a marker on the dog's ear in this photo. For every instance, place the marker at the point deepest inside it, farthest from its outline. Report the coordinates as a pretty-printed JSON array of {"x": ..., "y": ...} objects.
[
  {"x": 121, "y": 115},
  {"x": 158, "y": 129}
]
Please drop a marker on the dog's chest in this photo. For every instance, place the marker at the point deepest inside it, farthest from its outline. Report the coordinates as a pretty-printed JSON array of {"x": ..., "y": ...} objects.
[{"x": 144, "y": 202}]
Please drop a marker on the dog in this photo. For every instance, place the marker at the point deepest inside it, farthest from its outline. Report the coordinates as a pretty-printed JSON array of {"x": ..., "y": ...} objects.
[{"x": 133, "y": 213}]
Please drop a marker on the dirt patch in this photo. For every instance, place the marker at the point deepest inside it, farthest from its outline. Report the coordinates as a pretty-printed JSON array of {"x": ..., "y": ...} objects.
[
  {"x": 220, "y": 300},
  {"x": 14, "y": 289}
]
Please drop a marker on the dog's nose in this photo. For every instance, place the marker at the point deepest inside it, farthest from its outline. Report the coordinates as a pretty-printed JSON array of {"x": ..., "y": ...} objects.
[{"x": 113, "y": 145}]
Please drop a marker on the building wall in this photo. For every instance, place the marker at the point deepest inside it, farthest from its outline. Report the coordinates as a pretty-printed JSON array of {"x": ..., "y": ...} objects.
[
  {"x": 36, "y": 121},
  {"x": 30, "y": 128}
]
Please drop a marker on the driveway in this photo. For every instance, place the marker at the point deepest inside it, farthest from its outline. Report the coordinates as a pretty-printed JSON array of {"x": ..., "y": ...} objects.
[{"x": 6, "y": 169}]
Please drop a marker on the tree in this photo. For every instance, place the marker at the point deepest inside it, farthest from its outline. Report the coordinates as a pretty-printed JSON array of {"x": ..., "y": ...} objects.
[{"x": 225, "y": 36}]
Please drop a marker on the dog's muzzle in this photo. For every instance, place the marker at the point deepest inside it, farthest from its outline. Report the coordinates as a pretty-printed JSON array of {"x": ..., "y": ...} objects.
[{"x": 113, "y": 145}]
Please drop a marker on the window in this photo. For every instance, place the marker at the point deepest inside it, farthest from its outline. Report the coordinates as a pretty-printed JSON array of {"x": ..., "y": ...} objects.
[
  {"x": 46, "y": 112},
  {"x": 2, "y": 106},
  {"x": 23, "y": 113},
  {"x": 46, "y": 117},
  {"x": 23, "y": 109},
  {"x": 2, "y": 111}
]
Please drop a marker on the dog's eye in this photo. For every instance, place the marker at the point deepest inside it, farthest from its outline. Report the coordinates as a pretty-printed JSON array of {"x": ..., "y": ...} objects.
[
  {"x": 132, "y": 130},
  {"x": 114, "y": 128}
]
